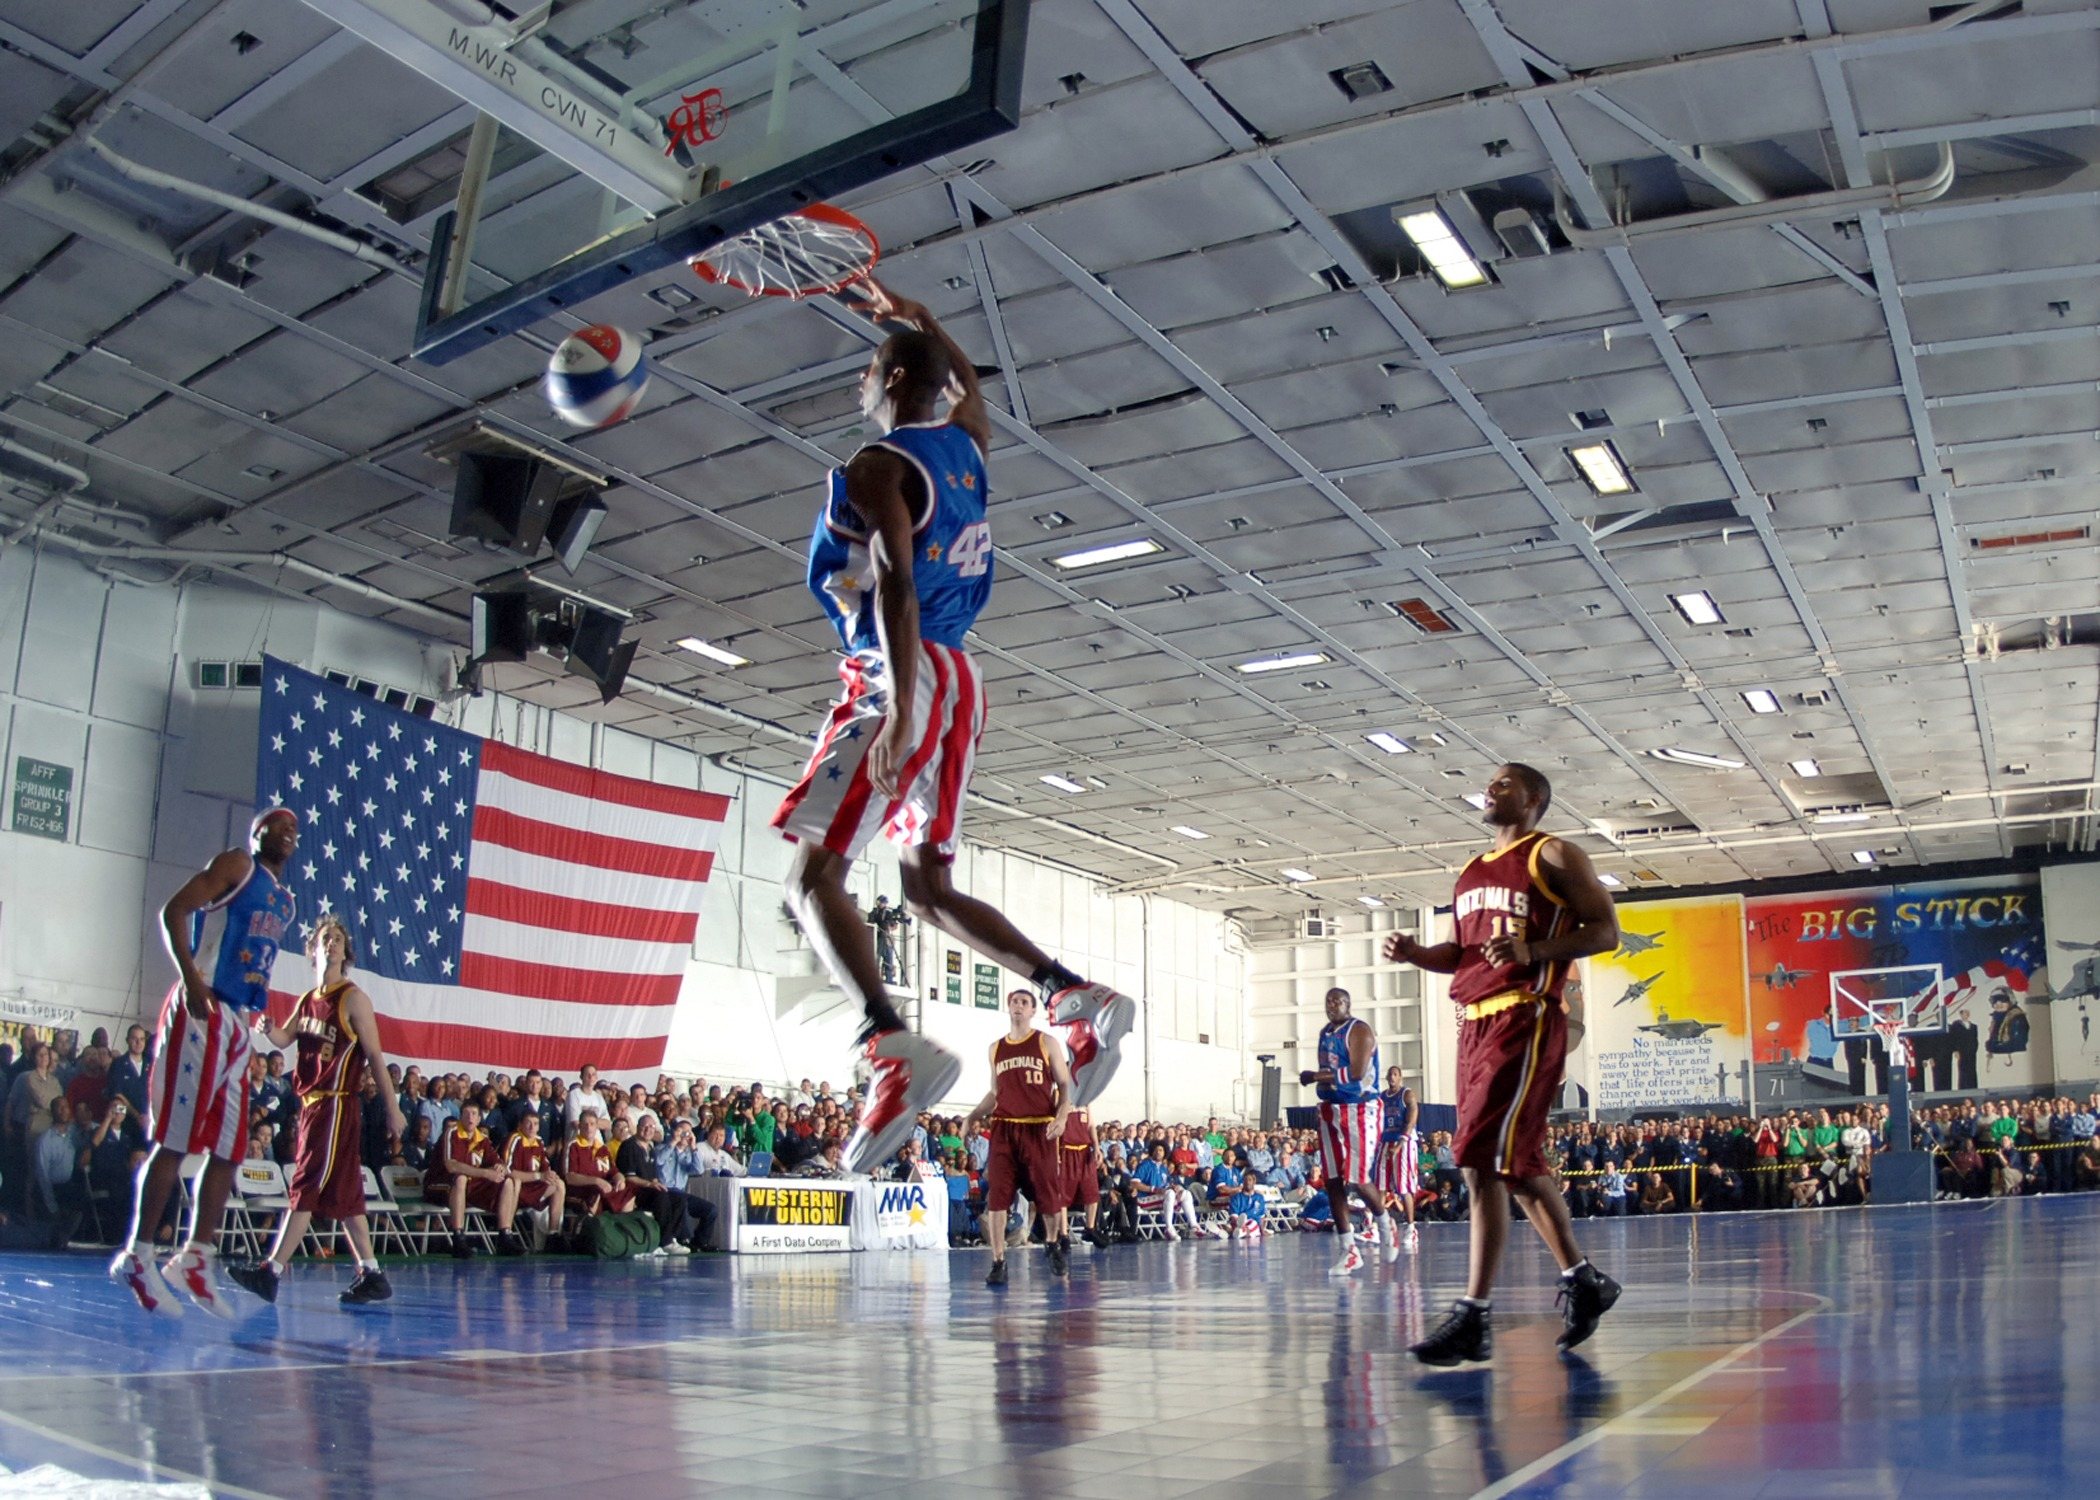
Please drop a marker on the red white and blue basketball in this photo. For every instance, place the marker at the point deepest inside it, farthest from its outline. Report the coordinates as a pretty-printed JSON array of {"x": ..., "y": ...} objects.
[{"x": 596, "y": 376}]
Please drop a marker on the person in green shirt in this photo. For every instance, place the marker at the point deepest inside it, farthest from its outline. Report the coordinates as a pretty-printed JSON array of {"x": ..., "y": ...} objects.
[
  {"x": 1793, "y": 1144},
  {"x": 2004, "y": 1128},
  {"x": 1826, "y": 1134},
  {"x": 1214, "y": 1135},
  {"x": 758, "y": 1131}
]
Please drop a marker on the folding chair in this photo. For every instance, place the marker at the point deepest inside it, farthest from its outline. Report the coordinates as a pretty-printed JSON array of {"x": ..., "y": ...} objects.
[
  {"x": 379, "y": 1212},
  {"x": 259, "y": 1191},
  {"x": 412, "y": 1215}
]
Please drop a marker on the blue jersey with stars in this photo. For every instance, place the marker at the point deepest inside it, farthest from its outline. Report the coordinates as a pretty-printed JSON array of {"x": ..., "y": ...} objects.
[
  {"x": 1395, "y": 1122},
  {"x": 258, "y": 914},
  {"x": 1347, "y": 1088},
  {"x": 951, "y": 561}
]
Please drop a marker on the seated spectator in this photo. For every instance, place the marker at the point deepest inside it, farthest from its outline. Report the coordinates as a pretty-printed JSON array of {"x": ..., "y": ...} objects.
[
  {"x": 57, "y": 1158},
  {"x": 261, "y": 1137},
  {"x": 1316, "y": 1212},
  {"x": 595, "y": 1184},
  {"x": 1224, "y": 1182},
  {"x": 1247, "y": 1208},
  {"x": 2085, "y": 1167},
  {"x": 463, "y": 1172},
  {"x": 1612, "y": 1192},
  {"x": 716, "y": 1160},
  {"x": 2007, "y": 1171},
  {"x": 634, "y": 1157},
  {"x": 415, "y": 1151},
  {"x": 1656, "y": 1196},
  {"x": 1720, "y": 1189},
  {"x": 1119, "y": 1195},
  {"x": 1165, "y": 1191},
  {"x": 677, "y": 1164},
  {"x": 538, "y": 1185},
  {"x": 1805, "y": 1187}
]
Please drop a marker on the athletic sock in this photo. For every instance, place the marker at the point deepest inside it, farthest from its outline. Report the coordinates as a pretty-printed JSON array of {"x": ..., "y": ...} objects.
[
  {"x": 1482, "y": 1303},
  {"x": 1053, "y": 976},
  {"x": 1569, "y": 1274}
]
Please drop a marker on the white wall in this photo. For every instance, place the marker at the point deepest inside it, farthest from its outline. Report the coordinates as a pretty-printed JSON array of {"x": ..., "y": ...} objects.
[{"x": 97, "y": 675}]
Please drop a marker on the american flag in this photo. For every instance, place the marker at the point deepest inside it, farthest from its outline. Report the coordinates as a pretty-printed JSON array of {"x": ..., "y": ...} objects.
[{"x": 509, "y": 910}]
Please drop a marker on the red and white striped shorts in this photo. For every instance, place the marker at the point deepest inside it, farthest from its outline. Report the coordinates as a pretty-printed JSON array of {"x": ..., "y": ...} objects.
[
  {"x": 1349, "y": 1141},
  {"x": 835, "y": 805},
  {"x": 197, "y": 1092},
  {"x": 1399, "y": 1167}
]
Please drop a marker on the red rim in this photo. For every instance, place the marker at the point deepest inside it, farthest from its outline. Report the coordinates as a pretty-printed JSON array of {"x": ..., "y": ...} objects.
[{"x": 820, "y": 213}]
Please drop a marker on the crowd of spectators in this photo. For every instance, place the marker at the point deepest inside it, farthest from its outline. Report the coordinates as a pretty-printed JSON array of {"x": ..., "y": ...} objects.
[{"x": 74, "y": 1134}]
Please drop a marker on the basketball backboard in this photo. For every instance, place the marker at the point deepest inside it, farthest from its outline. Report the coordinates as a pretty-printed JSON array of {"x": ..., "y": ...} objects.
[
  {"x": 1912, "y": 996},
  {"x": 622, "y": 136}
]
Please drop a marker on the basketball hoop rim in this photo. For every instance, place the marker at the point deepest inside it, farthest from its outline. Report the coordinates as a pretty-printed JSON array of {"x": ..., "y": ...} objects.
[{"x": 756, "y": 241}]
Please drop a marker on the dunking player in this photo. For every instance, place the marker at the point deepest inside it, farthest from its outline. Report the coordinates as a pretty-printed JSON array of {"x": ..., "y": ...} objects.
[
  {"x": 1399, "y": 1158},
  {"x": 1030, "y": 1100},
  {"x": 1523, "y": 911},
  {"x": 1350, "y": 1121},
  {"x": 197, "y": 1093},
  {"x": 901, "y": 562},
  {"x": 337, "y": 1037}
]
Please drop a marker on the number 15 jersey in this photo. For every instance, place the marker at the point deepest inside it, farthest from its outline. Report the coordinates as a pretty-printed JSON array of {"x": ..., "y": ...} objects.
[
  {"x": 951, "y": 561},
  {"x": 1503, "y": 895}
]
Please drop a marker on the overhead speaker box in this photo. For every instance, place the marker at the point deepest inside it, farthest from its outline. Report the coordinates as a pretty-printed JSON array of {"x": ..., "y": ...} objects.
[
  {"x": 574, "y": 527},
  {"x": 598, "y": 655},
  {"x": 504, "y": 626},
  {"x": 507, "y": 499}
]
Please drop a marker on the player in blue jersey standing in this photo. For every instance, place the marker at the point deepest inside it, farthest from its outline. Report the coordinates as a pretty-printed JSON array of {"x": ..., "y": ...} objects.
[
  {"x": 197, "y": 1093},
  {"x": 1399, "y": 1159},
  {"x": 1351, "y": 1118},
  {"x": 901, "y": 561}
]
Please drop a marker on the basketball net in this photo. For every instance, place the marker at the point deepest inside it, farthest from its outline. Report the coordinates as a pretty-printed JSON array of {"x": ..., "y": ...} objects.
[
  {"x": 1892, "y": 1042},
  {"x": 808, "y": 253}
]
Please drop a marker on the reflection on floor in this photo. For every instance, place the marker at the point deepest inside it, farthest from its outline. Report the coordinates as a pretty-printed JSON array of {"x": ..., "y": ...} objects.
[{"x": 1943, "y": 1351}]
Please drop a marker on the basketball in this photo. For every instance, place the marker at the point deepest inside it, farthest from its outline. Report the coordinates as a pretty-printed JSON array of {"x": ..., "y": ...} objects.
[{"x": 597, "y": 376}]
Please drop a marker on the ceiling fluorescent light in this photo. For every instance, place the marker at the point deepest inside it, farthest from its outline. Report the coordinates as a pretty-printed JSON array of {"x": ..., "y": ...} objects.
[
  {"x": 712, "y": 652},
  {"x": 1115, "y": 552},
  {"x": 1863, "y": 856},
  {"x": 1607, "y": 879},
  {"x": 1371, "y": 901},
  {"x": 1441, "y": 247},
  {"x": 1829, "y": 818},
  {"x": 1762, "y": 701},
  {"x": 1283, "y": 663},
  {"x": 1063, "y": 784},
  {"x": 1295, "y": 875},
  {"x": 1698, "y": 607},
  {"x": 1696, "y": 758},
  {"x": 1602, "y": 468},
  {"x": 1804, "y": 768},
  {"x": 1477, "y": 800},
  {"x": 1391, "y": 744},
  {"x": 1190, "y": 833}
]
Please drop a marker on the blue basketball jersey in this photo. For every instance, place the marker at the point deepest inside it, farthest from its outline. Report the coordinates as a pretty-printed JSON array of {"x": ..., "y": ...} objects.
[
  {"x": 258, "y": 914},
  {"x": 951, "y": 562},
  {"x": 1347, "y": 1087},
  {"x": 1396, "y": 1102}
]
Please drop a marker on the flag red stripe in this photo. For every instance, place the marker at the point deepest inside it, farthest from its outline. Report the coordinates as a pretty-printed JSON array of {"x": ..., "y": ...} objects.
[
  {"x": 492, "y": 825},
  {"x": 480, "y": 1046},
  {"x": 509, "y": 903},
  {"x": 512, "y": 976},
  {"x": 582, "y": 781}
]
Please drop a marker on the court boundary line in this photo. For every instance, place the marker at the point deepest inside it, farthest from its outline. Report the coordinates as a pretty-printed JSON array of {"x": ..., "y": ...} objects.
[
  {"x": 147, "y": 1466},
  {"x": 1547, "y": 1462}
]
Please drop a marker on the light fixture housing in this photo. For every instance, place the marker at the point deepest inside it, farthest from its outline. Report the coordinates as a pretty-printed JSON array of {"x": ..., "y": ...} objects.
[
  {"x": 1391, "y": 744},
  {"x": 1606, "y": 878},
  {"x": 1863, "y": 856},
  {"x": 1602, "y": 469},
  {"x": 1094, "y": 557},
  {"x": 1295, "y": 876},
  {"x": 1449, "y": 259},
  {"x": 1190, "y": 833},
  {"x": 1833, "y": 819},
  {"x": 1283, "y": 663},
  {"x": 1804, "y": 768},
  {"x": 1477, "y": 801},
  {"x": 1371, "y": 901},
  {"x": 1698, "y": 608},
  {"x": 1063, "y": 784},
  {"x": 1682, "y": 757},
  {"x": 712, "y": 652},
  {"x": 1762, "y": 701}
]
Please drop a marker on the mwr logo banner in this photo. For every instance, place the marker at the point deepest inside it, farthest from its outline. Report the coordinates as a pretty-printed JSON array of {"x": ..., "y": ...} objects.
[
  {"x": 817, "y": 1207},
  {"x": 907, "y": 1216}
]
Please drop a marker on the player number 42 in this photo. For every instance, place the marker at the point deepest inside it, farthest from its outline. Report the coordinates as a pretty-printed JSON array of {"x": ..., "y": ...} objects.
[{"x": 971, "y": 551}]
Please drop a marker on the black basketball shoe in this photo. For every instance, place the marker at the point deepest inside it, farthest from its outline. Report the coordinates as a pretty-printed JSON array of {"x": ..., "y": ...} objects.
[
  {"x": 462, "y": 1247},
  {"x": 997, "y": 1275},
  {"x": 370, "y": 1286},
  {"x": 1060, "y": 1252},
  {"x": 255, "y": 1276},
  {"x": 1465, "y": 1334},
  {"x": 1584, "y": 1298}
]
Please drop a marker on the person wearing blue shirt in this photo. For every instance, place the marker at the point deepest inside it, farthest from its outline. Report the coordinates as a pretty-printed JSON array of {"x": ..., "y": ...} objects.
[
  {"x": 1224, "y": 1183},
  {"x": 1247, "y": 1207},
  {"x": 1156, "y": 1177},
  {"x": 1260, "y": 1157},
  {"x": 979, "y": 1145},
  {"x": 127, "y": 1075},
  {"x": 1317, "y": 1212}
]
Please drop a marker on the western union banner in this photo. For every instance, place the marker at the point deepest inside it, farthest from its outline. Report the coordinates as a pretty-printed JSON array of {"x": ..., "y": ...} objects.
[{"x": 783, "y": 1218}]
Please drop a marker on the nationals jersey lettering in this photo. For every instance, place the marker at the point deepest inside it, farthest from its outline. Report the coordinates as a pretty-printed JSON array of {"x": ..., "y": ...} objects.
[
  {"x": 1348, "y": 1087},
  {"x": 1023, "y": 1087},
  {"x": 258, "y": 912},
  {"x": 951, "y": 561},
  {"x": 330, "y": 1061},
  {"x": 1503, "y": 895}
]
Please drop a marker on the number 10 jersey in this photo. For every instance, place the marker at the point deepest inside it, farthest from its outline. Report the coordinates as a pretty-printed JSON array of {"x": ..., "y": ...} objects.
[{"x": 951, "y": 559}]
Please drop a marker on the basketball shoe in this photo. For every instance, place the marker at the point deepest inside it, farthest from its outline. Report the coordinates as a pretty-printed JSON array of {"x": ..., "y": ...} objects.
[
  {"x": 257, "y": 1276},
  {"x": 1351, "y": 1262},
  {"x": 1414, "y": 1238},
  {"x": 1465, "y": 1334},
  {"x": 1586, "y": 1294},
  {"x": 1094, "y": 1019},
  {"x": 191, "y": 1269},
  {"x": 911, "y": 1073},
  {"x": 135, "y": 1270},
  {"x": 1392, "y": 1243},
  {"x": 371, "y": 1285}
]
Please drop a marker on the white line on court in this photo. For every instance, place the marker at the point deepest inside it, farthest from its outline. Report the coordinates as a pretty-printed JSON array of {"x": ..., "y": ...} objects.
[
  {"x": 133, "y": 1461},
  {"x": 1517, "y": 1479}
]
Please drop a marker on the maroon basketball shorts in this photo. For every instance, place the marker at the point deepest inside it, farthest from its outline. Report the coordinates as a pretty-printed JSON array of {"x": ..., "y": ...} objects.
[
  {"x": 1509, "y": 1074},
  {"x": 533, "y": 1191},
  {"x": 481, "y": 1194},
  {"x": 327, "y": 1175},
  {"x": 1082, "y": 1182},
  {"x": 1023, "y": 1160}
]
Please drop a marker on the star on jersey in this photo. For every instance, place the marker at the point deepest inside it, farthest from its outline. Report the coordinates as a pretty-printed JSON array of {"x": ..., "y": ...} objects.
[{"x": 410, "y": 914}]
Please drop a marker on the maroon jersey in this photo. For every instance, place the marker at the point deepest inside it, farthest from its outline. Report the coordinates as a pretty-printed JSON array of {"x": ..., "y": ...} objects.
[
  {"x": 525, "y": 1155},
  {"x": 330, "y": 1061},
  {"x": 1503, "y": 895},
  {"x": 459, "y": 1147},
  {"x": 1021, "y": 1076},
  {"x": 1079, "y": 1131}
]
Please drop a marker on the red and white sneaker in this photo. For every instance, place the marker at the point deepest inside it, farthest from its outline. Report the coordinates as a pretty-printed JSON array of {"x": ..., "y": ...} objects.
[
  {"x": 1350, "y": 1263},
  {"x": 911, "y": 1074},
  {"x": 1094, "y": 1019},
  {"x": 138, "y": 1273},
  {"x": 1414, "y": 1238},
  {"x": 191, "y": 1269}
]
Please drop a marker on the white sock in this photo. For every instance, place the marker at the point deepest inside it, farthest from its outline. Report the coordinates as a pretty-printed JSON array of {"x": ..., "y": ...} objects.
[{"x": 1482, "y": 1303}]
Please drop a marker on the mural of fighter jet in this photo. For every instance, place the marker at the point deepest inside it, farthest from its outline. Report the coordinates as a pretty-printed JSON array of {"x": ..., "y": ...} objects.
[
  {"x": 2075, "y": 947},
  {"x": 1637, "y": 989},
  {"x": 1680, "y": 1031},
  {"x": 1781, "y": 977},
  {"x": 1633, "y": 944}
]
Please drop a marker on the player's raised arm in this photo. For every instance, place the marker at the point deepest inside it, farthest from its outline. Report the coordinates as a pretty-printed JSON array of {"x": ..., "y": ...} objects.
[{"x": 967, "y": 408}]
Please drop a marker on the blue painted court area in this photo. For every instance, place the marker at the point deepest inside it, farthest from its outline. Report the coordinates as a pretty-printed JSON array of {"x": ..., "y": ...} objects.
[{"x": 1907, "y": 1352}]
